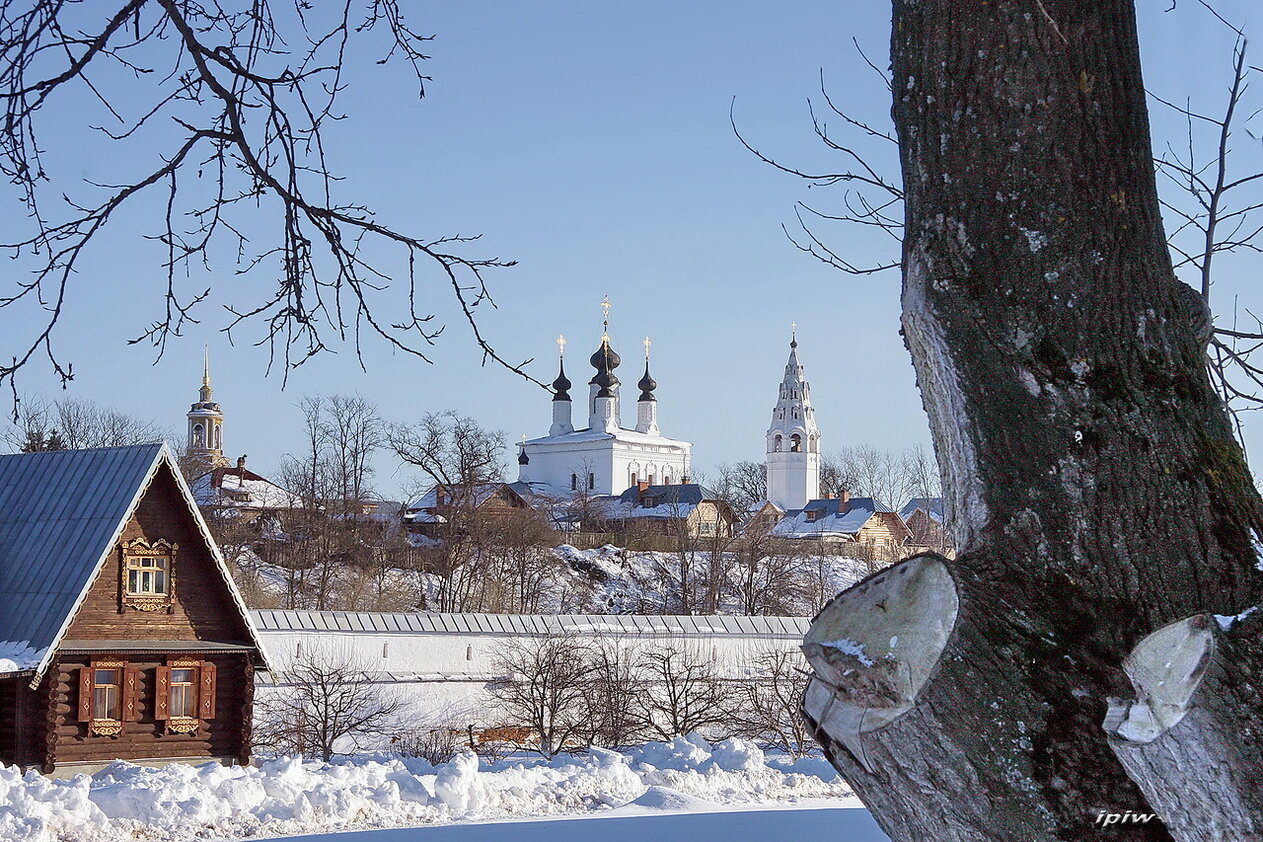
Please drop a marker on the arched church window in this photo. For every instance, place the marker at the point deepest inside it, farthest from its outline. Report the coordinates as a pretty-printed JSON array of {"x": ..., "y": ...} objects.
[
  {"x": 199, "y": 435},
  {"x": 574, "y": 482},
  {"x": 634, "y": 478},
  {"x": 591, "y": 481},
  {"x": 776, "y": 444},
  {"x": 796, "y": 443}
]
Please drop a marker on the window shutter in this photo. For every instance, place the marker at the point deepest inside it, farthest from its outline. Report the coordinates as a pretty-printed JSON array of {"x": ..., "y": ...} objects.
[
  {"x": 206, "y": 692},
  {"x": 162, "y": 693},
  {"x": 131, "y": 694},
  {"x": 85, "y": 694}
]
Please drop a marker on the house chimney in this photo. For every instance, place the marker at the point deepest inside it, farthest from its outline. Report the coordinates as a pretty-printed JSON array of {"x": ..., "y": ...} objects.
[
  {"x": 845, "y": 496},
  {"x": 440, "y": 494},
  {"x": 241, "y": 462}
]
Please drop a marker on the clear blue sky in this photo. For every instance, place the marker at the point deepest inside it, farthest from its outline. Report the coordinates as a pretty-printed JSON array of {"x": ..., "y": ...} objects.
[{"x": 591, "y": 143}]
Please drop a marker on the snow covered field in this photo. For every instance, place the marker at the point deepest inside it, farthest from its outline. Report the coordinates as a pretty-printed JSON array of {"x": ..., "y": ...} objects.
[
  {"x": 800, "y": 822},
  {"x": 286, "y": 797}
]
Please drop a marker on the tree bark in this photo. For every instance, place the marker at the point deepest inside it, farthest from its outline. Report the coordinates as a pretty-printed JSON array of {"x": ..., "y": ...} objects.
[{"x": 1096, "y": 491}]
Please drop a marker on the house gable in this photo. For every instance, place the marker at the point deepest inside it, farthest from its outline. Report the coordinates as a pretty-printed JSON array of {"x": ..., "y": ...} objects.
[{"x": 201, "y": 606}]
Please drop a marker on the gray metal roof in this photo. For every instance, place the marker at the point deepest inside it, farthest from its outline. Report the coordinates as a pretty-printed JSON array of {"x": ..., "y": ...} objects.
[
  {"x": 60, "y": 512},
  {"x": 271, "y": 620}
]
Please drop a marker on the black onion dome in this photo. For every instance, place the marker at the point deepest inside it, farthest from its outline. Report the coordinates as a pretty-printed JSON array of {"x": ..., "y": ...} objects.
[
  {"x": 605, "y": 360},
  {"x": 605, "y": 357},
  {"x": 522, "y": 458},
  {"x": 646, "y": 385},
  {"x": 561, "y": 386}
]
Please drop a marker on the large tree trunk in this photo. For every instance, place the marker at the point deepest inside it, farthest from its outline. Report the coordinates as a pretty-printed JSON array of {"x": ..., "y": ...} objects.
[{"x": 1096, "y": 489}]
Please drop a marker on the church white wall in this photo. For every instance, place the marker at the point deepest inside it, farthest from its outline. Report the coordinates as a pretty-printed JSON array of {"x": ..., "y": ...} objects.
[{"x": 611, "y": 460}]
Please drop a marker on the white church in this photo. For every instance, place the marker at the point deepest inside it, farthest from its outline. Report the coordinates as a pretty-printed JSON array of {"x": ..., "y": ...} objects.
[{"x": 604, "y": 457}]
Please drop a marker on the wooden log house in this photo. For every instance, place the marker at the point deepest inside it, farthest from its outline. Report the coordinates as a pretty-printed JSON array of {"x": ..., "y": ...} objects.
[{"x": 122, "y": 635}]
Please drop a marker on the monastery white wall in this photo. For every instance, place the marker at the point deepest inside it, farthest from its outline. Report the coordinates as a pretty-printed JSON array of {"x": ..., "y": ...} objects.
[{"x": 444, "y": 673}]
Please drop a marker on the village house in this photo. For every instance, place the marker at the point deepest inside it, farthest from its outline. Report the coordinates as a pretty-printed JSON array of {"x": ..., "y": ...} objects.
[
  {"x": 862, "y": 520},
  {"x": 240, "y": 492},
  {"x": 442, "y": 508},
  {"x": 683, "y": 509},
  {"x": 123, "y": 634},
  {"x": 925, "y": 519}
]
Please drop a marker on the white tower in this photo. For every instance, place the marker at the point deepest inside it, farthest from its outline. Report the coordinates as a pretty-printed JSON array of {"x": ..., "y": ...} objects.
[
  {"x": 793, "y": 439},
  {"x": 206, "y": 424},
  {"x": 647, "y": 405}
]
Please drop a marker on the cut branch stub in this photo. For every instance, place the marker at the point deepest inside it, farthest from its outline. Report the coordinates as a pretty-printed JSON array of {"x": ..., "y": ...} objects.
[
  {"x": 1165, "y": 668},
  {"x": 874, "y": 646}
]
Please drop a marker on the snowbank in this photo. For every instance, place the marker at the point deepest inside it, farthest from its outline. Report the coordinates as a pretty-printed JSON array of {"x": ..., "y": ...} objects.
[{"x": 287, "y": 796}]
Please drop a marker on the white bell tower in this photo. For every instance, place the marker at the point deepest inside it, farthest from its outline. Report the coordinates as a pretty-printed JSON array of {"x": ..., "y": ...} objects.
[{"x": 793, "y": 439}]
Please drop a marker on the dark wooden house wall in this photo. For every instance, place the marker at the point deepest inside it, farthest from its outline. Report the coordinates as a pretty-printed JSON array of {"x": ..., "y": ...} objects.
[
  {"x": 221, "y": 736},
  {"x": 202, "y": 608}
]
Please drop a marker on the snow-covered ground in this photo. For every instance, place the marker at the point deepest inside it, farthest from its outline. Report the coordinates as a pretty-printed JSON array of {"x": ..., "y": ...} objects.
[
  {"x": 803, "y": 821},
  {"x": 287, "y": 797}
]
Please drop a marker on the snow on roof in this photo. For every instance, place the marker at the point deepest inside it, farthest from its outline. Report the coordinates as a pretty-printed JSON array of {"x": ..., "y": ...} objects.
[
  {"x": 241, "y": 488},
  {"x": 621, "y": 434},
  {"x": 828, "y": 516},
  {"x": 272, "y": 620},
  {"x": 932, "y": 506},
  {"x": 481, "y": 491},
  {"x": 18, "y": 656}
]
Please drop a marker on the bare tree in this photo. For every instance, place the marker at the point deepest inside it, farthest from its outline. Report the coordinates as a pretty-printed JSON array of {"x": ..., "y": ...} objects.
[
  {"x": 683, "y": 693},
  {"x": 1063, "y": 368},
  {"x": 768, "y": 702},
  {"x": 615, "y": 684},
  {"x": 545, "y": 687},
  {"x": 324, "y": 703},
  {"x": 742, "y": 484},
  {"x": 70, "y": 424},
  {"x": 238, "y": 100}
]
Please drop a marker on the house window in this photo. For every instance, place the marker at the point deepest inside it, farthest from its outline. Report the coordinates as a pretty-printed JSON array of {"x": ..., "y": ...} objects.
[
  {"x": 107, "y": 696},
  {"x": 812, "y": 514},
  {"x": 183, "y": 693},
  {"x": 148, "y": 574}
]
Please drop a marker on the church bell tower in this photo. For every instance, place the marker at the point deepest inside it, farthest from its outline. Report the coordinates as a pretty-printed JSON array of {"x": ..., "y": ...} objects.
[
  {"x": 206, "y": 425},
  {"x": 793, "y": 439}
]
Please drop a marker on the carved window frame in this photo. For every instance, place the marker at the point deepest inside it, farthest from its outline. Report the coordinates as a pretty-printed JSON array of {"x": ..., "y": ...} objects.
[
  {"x": 204, "y": 690},
  {"x": 127, "y": 689},
  {"x": 140, "y": 548}
]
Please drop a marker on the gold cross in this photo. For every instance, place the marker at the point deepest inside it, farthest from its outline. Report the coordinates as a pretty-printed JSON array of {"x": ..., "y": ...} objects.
[
  {"x": 605, "y": 308},
  {"x": 561, "y": 345},
  {"x": 793, "y": 330},
  {"x": 647, "y": 343}
]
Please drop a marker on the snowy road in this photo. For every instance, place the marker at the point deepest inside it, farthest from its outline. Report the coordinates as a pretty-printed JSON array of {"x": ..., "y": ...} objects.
[{"x": 850, "y": 824}]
